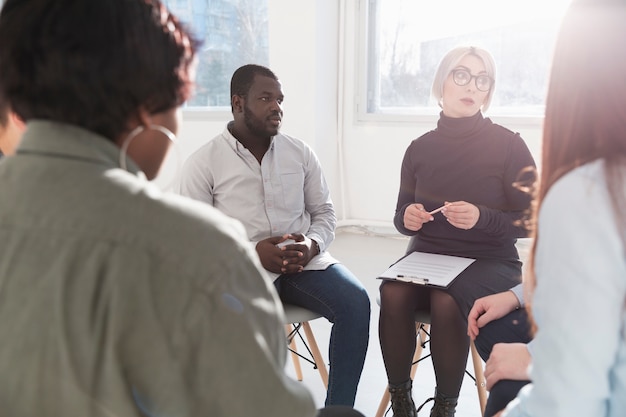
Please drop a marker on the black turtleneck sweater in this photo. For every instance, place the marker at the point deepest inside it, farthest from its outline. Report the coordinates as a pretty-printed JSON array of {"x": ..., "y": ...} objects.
[{"x": 466, "y": 159}]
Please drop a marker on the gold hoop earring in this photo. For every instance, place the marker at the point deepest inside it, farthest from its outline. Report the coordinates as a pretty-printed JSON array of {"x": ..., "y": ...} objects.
[{"x": 135, "y": 132}]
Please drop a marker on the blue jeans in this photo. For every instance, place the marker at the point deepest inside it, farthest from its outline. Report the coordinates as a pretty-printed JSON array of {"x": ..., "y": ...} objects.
[
  {"x": 338, "y": 295},
  {"x": 338, "y": 411}
]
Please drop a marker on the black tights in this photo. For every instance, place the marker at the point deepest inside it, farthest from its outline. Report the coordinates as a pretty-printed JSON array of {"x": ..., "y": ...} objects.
[{"x": 449, "y": 343}]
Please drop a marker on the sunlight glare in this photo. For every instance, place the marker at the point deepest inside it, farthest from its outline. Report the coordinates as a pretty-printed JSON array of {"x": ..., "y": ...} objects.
[{"x": 445, "y": 18}]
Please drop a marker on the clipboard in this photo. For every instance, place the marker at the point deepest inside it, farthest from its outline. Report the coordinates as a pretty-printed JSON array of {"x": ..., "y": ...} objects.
[{"x": 427, "y": 269}]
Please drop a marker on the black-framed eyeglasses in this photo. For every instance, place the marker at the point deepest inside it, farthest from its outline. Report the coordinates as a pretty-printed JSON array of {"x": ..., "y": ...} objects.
[{"x": 461, "y": 77}]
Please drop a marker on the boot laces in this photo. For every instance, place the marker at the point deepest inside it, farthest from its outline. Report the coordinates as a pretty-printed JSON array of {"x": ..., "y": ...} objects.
[
  {"x": 442, "y": 407},
  {"x": 404, "y": 406},
  {"x": 425, "y": 402}
]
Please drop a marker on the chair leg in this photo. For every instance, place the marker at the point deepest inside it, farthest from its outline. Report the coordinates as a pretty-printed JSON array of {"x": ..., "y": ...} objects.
[
  {"x": 479, "y": 374},
  {"x": 317, "y": 356},
  {"x": 421, "y": 329},
  {"x": 294, "y": 357},
  {"x": 384, "y": 402}
]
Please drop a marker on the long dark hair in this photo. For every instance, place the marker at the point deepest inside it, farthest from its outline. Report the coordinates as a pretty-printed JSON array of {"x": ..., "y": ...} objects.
[{"x": 586, "y": 104}]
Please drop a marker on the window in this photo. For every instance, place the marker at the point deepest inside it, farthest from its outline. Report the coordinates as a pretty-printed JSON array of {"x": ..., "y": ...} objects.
[
  {"x": 234, "y": 33},
  {"x": 408, "y": 38}
]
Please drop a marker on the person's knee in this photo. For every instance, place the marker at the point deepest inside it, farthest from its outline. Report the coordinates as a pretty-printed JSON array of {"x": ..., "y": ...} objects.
[
  {"x": 396, "y": 295},
  {"x": 483, "y": 347},
  {"x": 361, "y": 302},
  {"x": 443, "y": 307},
  {"x": 441, "y": 299},
  {"x": 489, "y": 335},
  {"x": 358, "y": 309},
  {"x": 351, "y": 289}
]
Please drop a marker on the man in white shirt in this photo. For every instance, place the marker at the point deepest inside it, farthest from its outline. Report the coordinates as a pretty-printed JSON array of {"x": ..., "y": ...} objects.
[{"x": 274, "y": 184}]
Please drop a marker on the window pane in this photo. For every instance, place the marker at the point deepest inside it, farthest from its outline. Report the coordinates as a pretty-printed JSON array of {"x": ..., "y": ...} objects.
[
  {"x": 234, "y": 32},
  {"x": 409, "y": 38}
]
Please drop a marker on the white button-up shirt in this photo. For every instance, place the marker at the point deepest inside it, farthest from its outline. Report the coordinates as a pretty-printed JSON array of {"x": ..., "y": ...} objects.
[{"x": 285, "y": 193}]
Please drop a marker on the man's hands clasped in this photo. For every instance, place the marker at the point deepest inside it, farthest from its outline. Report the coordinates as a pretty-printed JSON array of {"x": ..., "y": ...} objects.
[{"x": 286, "y": 254}]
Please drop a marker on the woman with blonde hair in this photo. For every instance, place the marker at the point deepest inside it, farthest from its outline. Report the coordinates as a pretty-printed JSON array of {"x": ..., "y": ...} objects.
[{"x": 469, "y": 165}]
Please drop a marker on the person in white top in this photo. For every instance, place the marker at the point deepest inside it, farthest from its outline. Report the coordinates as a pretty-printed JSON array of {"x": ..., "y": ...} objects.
[
  {"x": 274, "y": 184},
  {"x": 577, "y": 280}
]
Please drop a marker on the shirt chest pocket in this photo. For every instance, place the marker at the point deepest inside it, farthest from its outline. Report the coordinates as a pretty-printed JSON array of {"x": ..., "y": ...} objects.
[{"x": 292, "y": 185}]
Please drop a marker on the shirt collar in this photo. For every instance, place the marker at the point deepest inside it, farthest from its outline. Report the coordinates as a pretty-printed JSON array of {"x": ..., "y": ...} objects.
[
  {"x": 235, "y": 144},
  {"x": 73, "y": 142}
]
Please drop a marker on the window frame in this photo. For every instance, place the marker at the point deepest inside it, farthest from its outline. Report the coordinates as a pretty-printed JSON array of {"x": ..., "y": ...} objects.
[
  {"x": 412, "y": 115},
  {"x": 200, "y": 112}
]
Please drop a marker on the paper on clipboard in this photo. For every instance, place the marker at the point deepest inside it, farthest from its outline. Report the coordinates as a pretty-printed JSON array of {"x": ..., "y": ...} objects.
[{"x": 427, "y": 269}]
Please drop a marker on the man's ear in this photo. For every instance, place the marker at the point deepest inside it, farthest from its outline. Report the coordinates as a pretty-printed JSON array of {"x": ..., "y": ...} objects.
[
  {"x": 16, "y": 120},
  {"x": 145, "y": 119},
  {"x": 237, "y": 102}
]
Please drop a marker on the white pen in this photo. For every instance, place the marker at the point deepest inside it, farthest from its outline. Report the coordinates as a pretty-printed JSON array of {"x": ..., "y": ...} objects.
[{"x": 437, "y": 210}]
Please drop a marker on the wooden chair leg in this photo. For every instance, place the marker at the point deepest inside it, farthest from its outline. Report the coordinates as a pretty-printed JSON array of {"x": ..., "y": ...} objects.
[
  {"x": 383, "y": 404},
  {"x": 479, "y": 374},
  {"x": 481, "y": 385},
  {"x": 419, "y": 347},
  {"x": 317, "y": 356},
  {"x": 294, "y": 357}
]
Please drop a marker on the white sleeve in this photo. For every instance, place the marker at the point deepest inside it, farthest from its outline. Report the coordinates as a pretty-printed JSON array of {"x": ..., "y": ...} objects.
[
  {"x": 578, "y": 301},
  {"x": 195, "y": 179},
  {"x": 318, "y": 203},
  {"x": 518, "y": 290}
]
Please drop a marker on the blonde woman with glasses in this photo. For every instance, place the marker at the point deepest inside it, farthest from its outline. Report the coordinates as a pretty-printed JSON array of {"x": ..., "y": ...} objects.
[{"x": 468, "y": 165}]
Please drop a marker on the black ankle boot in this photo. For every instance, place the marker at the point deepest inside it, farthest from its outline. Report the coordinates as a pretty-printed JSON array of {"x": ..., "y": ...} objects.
[
  {"x": 444, "y": 406},
  {"x": 401, "y": 400}
]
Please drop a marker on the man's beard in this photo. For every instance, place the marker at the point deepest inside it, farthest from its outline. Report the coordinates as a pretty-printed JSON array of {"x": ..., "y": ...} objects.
[{"x": 256, "y": 125}]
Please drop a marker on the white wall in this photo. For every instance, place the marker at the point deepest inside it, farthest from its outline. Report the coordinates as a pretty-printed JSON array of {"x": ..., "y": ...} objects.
[{"x": 314, "y": 50}]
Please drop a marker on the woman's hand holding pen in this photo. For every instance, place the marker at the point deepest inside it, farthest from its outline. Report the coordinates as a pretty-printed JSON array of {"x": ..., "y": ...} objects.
[
  {"x": 415, "y": 216},
  {"x": 461, "y": 214}
]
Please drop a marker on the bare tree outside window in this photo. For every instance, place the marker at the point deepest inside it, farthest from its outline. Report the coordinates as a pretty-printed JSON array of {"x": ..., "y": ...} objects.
[
  {"x": 234, "y": 33},
  {"x": 407, "y": 39}
]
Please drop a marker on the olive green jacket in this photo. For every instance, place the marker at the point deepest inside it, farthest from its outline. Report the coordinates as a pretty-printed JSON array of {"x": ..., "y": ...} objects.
[{"x": 118, "y": 300}]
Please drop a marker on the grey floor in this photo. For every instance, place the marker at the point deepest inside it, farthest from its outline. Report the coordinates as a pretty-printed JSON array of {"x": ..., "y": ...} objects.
[{"x": 368, "y": 255}]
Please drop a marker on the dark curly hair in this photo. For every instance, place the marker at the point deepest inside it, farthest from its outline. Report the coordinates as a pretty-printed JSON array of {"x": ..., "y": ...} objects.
[{"x": 93, "y": 63}]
